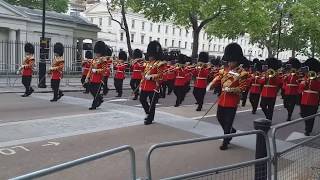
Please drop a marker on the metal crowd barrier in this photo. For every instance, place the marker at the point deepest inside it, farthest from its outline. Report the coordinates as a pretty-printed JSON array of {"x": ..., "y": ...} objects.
[
  {"x": 299, "y": 161},
  {"x": 242, "y": 171},
  {"x": 70, "y": 164}
]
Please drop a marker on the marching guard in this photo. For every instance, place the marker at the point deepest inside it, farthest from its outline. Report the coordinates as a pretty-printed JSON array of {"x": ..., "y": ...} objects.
[
  {"x": 152, "y": 78},
  {"x": 291, "y": 86},
  {"x": 107, "y": 69},
  {"x": 96, "y": 73},
  {"x": 201, "y": 74},
  {"x": 137, "y": 69},
  {"x": 233, "y": 82},
  {"x": 85, "y": 69},
  {"x": 119, "y": 76},
  {"x": 310, "y": 89},
  {"x": 180, "y": 83},
  {"x": 56, "y": 71},
  {"x": 270, "y": 86},
  {"x": 26, "y": 69},
  {"x": 255, "y": 87}
]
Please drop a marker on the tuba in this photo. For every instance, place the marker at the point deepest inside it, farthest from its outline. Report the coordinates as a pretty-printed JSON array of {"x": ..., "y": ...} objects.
[{"x": 271, "y": 73}]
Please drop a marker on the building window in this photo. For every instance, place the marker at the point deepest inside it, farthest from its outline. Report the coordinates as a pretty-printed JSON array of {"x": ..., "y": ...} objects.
[
  {"x": 110, "y": 21},
  {"x": 185, "y": 44},
  {"x": 167, "y": 28},
  {"x": 209, "y": 48},
  {"x": 179, "y": 44},
  {"x": 166, "y": 42},
  {"x": 204, "y": 36},
  {"x": 151, "y": 27},
  {"x": 180, "y": 32},
  {"x": 132, "y": 37},
  {"x": 133, "y": 23},
  {"x": 172, "y": 43},
  {"x": 202, "y": 47},
  {"x": 142, "y": 39},
  {"x": 142, "y": 26},
  {"x": 158, "y": 39},
  {"x": 92, "y": 19},
  {"x": 173, "y": 31},
  {"x": 159, "y": 28},
  {"x": 191, "y": 45},
  {"x": 121, "y": 36},
  {"x": 100, "y": 21},
  {"x": 150, "y": 39},
  {"x": 187, "y": 33}
]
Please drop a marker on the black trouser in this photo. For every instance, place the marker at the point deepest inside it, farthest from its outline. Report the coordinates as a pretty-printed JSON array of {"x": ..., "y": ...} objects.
[
  {"x": 26, "y": 81},
  {"x": 163, "y": 90},
  {"x": 105, "y": 85},
  {"x": 134, "y": 84},
  {"x": 217, "y": 90},
  {"x": 254, "y": 100},
  {"x": 289, "y": 102},
  {"x": 199, "y": 94},
  {"x": 267, "y": 106},
  {"x": 85, "y": 85},
  {"x": 180, "y": 92},
  {"x": 244, "y": 96},
  {"x": 149, "y": 107},
  {"x": 308, "y": 111},
  {"x": 55, "y": 84},
  {"x": 95, "y": 92},
  {"x": 118, "y": 85},
  {"x": 225, "y": 116},
  {"x": 170, "y": 85}
]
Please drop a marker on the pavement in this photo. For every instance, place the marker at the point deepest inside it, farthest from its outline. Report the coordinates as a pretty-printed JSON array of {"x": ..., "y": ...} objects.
[{"x": 35, "y": 134}]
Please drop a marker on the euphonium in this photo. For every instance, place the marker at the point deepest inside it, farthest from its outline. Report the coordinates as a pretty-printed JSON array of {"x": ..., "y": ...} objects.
[
  {"x": 271, "y": 73},
  {"x": 312, "y": 75}
]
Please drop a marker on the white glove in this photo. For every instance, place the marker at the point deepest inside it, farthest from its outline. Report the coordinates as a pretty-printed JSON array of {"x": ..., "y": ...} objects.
[
  {"x": 148, "y": 77},
  {"x": 227, "y": 89},
  {"x": 94, "y": 70},
  {"x": 51, "y": 69},
  {"x": 18, "y": 72},
  {"x": 209, "y": 86},
  {"x": 86, "y": 80}
]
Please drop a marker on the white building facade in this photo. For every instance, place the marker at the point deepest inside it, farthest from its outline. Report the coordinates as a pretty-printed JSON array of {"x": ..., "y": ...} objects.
[{"x": 142, "y": 31}]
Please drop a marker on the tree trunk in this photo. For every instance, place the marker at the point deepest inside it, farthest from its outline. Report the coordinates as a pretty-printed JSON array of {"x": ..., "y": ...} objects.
[
  {"x": 195, "y": 46},
  {"x": 126, "y": 27},
  {"x": 313, "y": 49},
  {"x": 293, "y": 55},
  {"x": 270, "y": 52}
]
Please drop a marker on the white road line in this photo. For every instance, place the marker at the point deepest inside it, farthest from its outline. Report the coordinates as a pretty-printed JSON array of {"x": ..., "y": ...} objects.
[{"x": 242, "y": 111}]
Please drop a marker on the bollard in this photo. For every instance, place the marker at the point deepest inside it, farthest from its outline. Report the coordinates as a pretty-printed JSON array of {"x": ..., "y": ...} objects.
[{"x": 261, "y": 169}]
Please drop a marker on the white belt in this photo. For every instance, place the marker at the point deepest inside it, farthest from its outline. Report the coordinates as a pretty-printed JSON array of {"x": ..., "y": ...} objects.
[
  {"x": 120, "y": 71},
  {"x": 255, "y": 85},
  {"x": 269, "y": 86},
  {"x": 136, "y": 70},
  {"x": 310, "y": 91},
  {"x": 292, "y": 84},
  {"x": 201, "y": 78},
  {"x": 180, "y": 77}
]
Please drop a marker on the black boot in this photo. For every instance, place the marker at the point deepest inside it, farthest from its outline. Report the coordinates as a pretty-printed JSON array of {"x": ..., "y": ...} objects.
[
  {"x": 199, "y": 108},
  {"x": 135, "y": 97},
  {"x": 60, "y": 94},
  {"x": 224, "y": 146},
  {"x": 31, "y": 90}
]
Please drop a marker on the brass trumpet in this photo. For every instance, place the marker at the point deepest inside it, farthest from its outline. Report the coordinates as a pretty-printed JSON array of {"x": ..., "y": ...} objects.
[
  {"x": 271, "y": 73},
  {"x": 312, "y": 75}
]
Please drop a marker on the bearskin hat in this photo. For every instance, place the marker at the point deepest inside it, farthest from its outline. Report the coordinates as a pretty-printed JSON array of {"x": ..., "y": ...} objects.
[
  {"x": 88, "y": 55},
  {"x": 295, "y": 63},
  {"x": 100, "y": 48},
  {"x": 29, "y": 48},
  {"x": 203, "y": 57},
  {"x": 137, "y": 53},
  {"x": 233, "y": 53},
  {"x": 108, "y": 51},
  {"x": 123, "y": 56},
  {"x": 313, "y": 64},
  {"x": 257, "y": 66},
  {"x": 154, "y": 50},
  {"x": 182, "y": 59},
  {"x": 272, "y": 63},
  {"x": 246, "y": 63},
  {"x": 255, "y": 60},
  {"x": 58, "y": 49}
]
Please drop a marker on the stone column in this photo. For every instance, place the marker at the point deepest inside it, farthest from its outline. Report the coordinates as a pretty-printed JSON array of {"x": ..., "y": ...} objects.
[{"x": 11, "y": 60}]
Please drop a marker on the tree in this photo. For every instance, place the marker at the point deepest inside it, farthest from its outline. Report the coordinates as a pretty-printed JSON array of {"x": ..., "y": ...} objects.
[
  {"x": 187, "y": 13},
  {"x": 121, "y": 5},
  {"x": 52, "y": 5}
]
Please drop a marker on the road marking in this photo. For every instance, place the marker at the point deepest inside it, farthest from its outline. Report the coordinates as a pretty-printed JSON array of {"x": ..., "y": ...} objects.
[
  {"x": 51, "y": 144},
  {"x": 118, "y": 100},
  {"x": 296, "y": 136},
  {"x": 242, "y": 111}
]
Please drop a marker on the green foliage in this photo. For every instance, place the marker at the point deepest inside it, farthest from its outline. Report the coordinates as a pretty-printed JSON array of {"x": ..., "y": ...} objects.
[{"x": 52, "y": 5}]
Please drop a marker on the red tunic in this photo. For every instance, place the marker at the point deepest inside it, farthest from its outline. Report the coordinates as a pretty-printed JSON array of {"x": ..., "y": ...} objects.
[
  {"x": 270, "y": 86},
  {"x": 170, "y": 75},
  {"x": 255, "y": 87},
  {"x": 152, "y": 68},
  {"x": 201, "y": 76},
  {"x": 181, "y": 77},
  {"x": 120, "y": 71},
  {"x": 291, "y": 85},
  {"x": 310, "y": 92},
  {"x": 85, "y": 67},
  {"x": 137, "y": 69},
  {"x": 57, "y": 72},
  {"x": 107, "y": 65},
  {"x": 27, "y": 69},
  {"x": 98, "y": 75}
]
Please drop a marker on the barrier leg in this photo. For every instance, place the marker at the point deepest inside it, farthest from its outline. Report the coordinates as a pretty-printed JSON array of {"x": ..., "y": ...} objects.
[{"x": 261, "y": 169}]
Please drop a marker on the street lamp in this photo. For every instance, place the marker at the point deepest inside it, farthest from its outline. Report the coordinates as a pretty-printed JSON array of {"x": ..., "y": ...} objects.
[
  {"x": 250, "y": 54},
  {"x": 43, "y": 48},
  {"x": 280, "y": 8}
]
